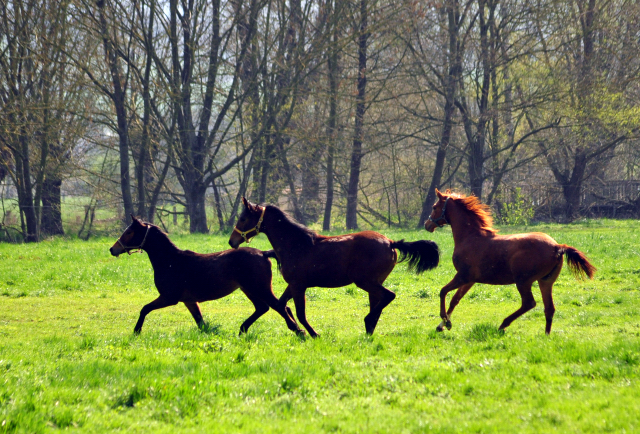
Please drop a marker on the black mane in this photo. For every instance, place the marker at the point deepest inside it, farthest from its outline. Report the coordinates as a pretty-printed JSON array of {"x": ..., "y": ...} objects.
[
  {"x": 163, "y": 234},
  {"x": 304, "y": 235}
]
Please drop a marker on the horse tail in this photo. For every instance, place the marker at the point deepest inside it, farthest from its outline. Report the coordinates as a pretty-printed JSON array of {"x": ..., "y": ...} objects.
[
  {"x": 272, "y": 254},
  {"x": 577, "y": 262},
  {"x": 423, "y": 255}
]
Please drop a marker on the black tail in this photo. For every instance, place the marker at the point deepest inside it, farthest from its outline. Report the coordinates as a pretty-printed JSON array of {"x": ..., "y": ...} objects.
[
  {"x": 423, "y": 255},
  {"x": 272, "y": 254},
  {"x": 577, "y": 262}
]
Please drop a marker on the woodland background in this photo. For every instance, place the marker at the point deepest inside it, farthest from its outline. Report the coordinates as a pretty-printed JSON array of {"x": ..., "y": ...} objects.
[{"x": 347, "y": 113}]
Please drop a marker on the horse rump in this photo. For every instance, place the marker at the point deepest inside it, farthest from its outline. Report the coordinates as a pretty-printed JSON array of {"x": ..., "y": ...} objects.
[{"x": 422, "y": 255}]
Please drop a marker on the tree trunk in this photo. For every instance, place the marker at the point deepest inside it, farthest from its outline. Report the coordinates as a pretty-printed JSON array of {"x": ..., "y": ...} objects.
[
  {"x": 356, "y": 152},
  {"x": 332, "y": 66},
  {"x": 454, "y": 70},
  {"x": 51, "y": 218},
  {"x": 195, "y": 199},
  {"x": 118, "y": 98}
]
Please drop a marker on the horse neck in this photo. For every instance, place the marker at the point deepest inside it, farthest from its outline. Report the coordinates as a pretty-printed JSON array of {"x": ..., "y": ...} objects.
[
  {"x": 159, "y": 248},
  {"x": 284, "y": 236},
  {"x": 462, "y": 225}
]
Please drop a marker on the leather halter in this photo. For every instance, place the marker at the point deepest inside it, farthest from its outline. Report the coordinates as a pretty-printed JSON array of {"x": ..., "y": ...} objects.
[
  {"x": 442, "y": 216},
  {"x": 134, "y": 248},
  {"x": 243, "y": 234}
]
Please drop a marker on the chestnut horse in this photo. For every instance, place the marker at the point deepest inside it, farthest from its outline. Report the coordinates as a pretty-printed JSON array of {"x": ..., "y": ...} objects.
[
  {"x": 308, "y": 259},
  {"x": 481, "y": 256},
  {"x": 191, "y": 278}
]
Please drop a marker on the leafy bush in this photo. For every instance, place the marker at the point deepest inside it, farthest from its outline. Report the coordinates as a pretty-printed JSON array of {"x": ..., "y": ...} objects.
[{"x": 519, "y": 212}]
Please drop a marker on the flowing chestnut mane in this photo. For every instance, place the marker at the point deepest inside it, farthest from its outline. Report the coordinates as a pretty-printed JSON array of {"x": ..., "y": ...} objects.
[{"x": 480, "y": 212}]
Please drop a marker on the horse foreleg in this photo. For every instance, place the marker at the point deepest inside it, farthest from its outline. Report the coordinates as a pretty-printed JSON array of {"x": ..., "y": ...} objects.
[
  {"x": 158, "y": 303},
  {"x": 282, "y": 302},
  {"x": 528, "y": 303},
  {"x": 455, "y": 283},
  {"x": 196, "y": 313},
  {"x": 461, "y": 292},
  {"x": 300, "y": 302}
]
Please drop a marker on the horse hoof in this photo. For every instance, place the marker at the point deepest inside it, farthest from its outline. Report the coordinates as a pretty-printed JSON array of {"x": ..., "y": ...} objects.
[
  {"x": 440, "y": 328},
  {"x": 447, "y": 324}
]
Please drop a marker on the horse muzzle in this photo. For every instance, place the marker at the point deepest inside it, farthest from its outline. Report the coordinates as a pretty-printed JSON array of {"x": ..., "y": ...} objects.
[
  {"x": 235, "y": 240},
  {"x": 430, "y": 226},
  {"x": 116, "y": 250}
]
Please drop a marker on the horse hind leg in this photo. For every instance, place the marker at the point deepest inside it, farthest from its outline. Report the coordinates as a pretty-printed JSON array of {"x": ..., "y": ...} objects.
[
  {"x": 196, "y": 313},
  {"x": 284, "y": 312},
  {"x": 546, "y": 289},
  {"x": 528, "y": 303},
  {"x": 261, "y": 308},
  {"x": 379, "y": 298},
  {"x": 282, "y": 302}
]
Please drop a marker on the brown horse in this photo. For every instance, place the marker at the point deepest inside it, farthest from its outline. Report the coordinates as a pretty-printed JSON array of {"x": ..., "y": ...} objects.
[
  {"x": 481, "y": 256},
  {"x": 189, "y": 277},
  {"x": 308, "y": 259}
]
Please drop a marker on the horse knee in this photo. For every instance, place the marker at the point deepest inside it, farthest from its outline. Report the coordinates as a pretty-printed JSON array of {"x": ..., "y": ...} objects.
[{"x": 530, "y": 304}]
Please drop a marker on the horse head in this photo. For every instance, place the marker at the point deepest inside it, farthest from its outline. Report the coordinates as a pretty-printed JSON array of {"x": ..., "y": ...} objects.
[
  {"x": 248, "y": 224},
  {"x": 133, "y": 238}
]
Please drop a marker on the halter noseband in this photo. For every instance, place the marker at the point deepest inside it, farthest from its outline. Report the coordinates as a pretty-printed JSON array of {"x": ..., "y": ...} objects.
[
  {"x": 133, "y": 248},
  {"x": 442, "y": 216},
  {"x": 243, "y": 234}
]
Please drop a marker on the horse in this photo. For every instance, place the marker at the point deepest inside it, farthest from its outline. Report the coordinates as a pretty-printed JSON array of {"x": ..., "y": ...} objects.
[
  {"x": 482, "y": 256},
  {"x": 307, "y": 259},
  {"x": 191, "y": 278}
]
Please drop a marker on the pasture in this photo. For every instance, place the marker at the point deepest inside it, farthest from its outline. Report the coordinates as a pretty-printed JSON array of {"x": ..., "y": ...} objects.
[{"x": 69, "y": 359}]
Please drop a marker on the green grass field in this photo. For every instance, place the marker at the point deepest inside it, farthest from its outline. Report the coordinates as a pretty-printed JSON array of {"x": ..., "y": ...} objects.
[{"x": 69, "y": 359}]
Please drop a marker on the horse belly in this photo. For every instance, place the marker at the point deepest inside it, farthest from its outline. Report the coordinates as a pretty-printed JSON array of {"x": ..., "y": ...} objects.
[{"x": 321, "y": 276}]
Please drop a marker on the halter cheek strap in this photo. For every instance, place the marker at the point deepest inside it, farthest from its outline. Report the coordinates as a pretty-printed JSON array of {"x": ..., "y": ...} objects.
[
  {"x": 134, "y": 248},
  {"x": 442, "y": 216},
  {"x": 243, "y": 234}
]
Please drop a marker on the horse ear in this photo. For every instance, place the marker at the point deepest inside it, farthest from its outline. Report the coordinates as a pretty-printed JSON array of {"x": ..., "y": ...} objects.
[
  {"x": 248, "y": 204},
  {"x": 440, "y": 195},
  {"x": 133, "y": 218}
]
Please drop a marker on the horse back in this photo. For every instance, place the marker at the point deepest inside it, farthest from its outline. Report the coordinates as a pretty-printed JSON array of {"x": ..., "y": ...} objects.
[
  {"x": 202, "y": 277},
  {"x": 341, "y": 260},
  {"x": 507, "y": 259}
]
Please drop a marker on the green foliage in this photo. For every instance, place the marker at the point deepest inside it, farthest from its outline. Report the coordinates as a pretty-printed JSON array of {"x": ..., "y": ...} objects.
[
  {"x": 69, "y": 359},
  {"x": 518, "y": 212}
]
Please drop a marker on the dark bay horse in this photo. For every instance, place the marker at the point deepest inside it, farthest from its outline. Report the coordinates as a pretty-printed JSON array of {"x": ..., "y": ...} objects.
[
  {"x": 482, "y": 256},
  {"x": 308, "y": 259},
  {"x": 191, "y": 278}
]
